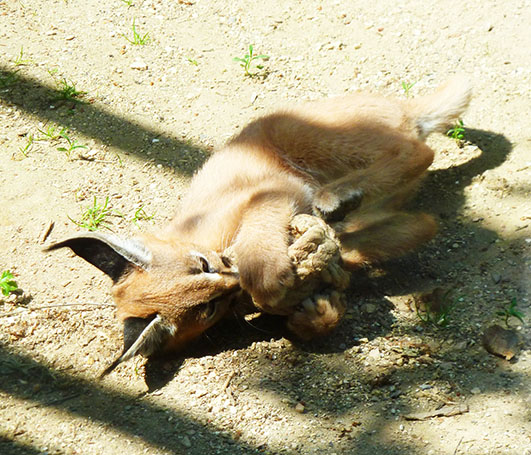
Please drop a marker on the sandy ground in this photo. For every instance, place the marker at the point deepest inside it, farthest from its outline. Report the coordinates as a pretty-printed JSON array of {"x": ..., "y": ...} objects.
[{"x": 149, "y": 116}]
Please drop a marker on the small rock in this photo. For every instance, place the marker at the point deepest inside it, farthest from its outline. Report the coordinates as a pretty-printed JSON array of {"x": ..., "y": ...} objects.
[
  {"x": 186, "y": 442},
  {"x": 434, "y": 301},
  {"x": 139, "y": 65},
  {"x": 475, "y": 391},
  {"x": 501, "y": 342},
  {"x": 299, "y": 408},
  {"x": 374, "y": 354},
  {"x": 496, "y": 277},
  {"x": 369, "y": 308},
  {"x": 88, "y": 155}
]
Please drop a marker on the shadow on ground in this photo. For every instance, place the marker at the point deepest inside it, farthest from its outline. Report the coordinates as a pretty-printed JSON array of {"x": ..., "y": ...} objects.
[
  {"x": 94, "y": 121},
  {"x": 308, "y": 379}
]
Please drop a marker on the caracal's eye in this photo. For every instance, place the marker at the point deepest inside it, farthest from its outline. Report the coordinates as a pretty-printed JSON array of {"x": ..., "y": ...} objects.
[
  {"x": 205, "y": 266},
  {"x": 227, "y": 262},
  {"x": 209, "y": 310}
]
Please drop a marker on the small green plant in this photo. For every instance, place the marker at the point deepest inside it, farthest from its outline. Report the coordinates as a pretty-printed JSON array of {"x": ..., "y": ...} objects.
[
  {"x": 457, "y": 132},
  {"x": 72, "y": 145},
  {"x": 26, "y": 148},
  {"x": 141, "y": 215},
  {"x": 129, "y": 3},
  {"x": 440, "y": 318},
  {"x": 96, "y": 216},
  {"x": 511, "y": 310},
  {"x": 137, "y": 38},
  {"x": 19, "y": 60},
  {"x": 192, "y": 61},
  {"x": 7, "y": 283},
  {"x": 407, "y": 86},
  {"x": 66, "y": 91},
  {"x": 248, "y": 59},
  {"x": 51, "y": 134},
  {"x": 437, "y": 308},
  {"x": 8, "y": 78}
]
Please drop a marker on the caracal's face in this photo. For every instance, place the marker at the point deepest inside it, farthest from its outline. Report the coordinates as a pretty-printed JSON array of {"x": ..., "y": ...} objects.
[{"x": 166, "y": 292}]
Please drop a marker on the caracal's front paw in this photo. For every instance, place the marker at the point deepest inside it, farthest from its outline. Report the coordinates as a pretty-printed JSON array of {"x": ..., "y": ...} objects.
[
  {"x": 332, "y": 204},
  {"x": 318, "y": 315},
  {"x": 269, "y": 283}
]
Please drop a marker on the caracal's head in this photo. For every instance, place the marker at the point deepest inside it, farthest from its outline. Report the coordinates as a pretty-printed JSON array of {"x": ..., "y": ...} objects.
[{"x": 166, "y": 292}]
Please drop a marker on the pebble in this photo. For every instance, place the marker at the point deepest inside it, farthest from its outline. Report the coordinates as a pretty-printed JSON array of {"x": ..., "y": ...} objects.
[
  {"x": 186, "y": 442},
  {"x": 369, "y": 308},
  {"x": 475, "y": 391},
  {"x": 502, "y": 342},
  {"x": 139, "y": 65},
  {"x": 299, "y": 408}
]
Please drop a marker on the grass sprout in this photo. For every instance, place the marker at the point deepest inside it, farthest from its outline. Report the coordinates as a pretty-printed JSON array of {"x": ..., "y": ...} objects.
[
  {"x": 247, "y": 60},
  {"x": 511, "y": 310},
  {"x": 96, "y": 216},
  {"x": 407, "y": 86},
  {"x": 141, "y": 215},
  {"x": 138, "y": 40},
  {"x": 51, "y": 134},
  {"x": 72, "y": 145},
  {"x": 29, "y": 143},
  {"x": 457, "y": 131},
  {"x": 8, "y": 78},
  {"x": 19, "y": 60},
  {"x": 7, "y": 283},
  {"x": 437, "y": 312}
]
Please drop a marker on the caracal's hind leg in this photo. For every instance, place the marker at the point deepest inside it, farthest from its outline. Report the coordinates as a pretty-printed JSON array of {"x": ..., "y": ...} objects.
[
  {"x": 397, "y": 171},
  {"x": 376, "y": 236}
]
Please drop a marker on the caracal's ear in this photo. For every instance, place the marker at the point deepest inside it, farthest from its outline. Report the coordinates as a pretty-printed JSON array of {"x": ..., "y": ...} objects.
[
  {"x": 143, "y": 336},
  {"x": 109, "y": 253}
]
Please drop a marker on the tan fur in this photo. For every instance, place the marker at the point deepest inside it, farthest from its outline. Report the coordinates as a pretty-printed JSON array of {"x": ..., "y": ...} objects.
[
  {"x": 311, "y": 158},
  {"x": 280, "y": 164}
]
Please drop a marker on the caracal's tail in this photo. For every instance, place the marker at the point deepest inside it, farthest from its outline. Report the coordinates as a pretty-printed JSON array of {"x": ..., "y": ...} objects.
[{"x": 437, "y": 111}]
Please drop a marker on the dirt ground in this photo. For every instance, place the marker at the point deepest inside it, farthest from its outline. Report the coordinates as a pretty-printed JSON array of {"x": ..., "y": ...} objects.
[{"x": 147, "y": 118}]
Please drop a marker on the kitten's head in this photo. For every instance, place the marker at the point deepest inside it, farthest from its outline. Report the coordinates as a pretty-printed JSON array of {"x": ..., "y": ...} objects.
[{"x": 167, "y": 293}]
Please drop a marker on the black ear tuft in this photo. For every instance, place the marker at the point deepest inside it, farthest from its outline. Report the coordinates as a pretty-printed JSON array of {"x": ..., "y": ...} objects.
[
  {"x": 110, "y": 254},
  {"x": 143, "y": 336}
]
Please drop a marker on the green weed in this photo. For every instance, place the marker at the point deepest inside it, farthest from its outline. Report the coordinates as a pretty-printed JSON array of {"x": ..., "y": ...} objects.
[
  {"x": 96, "y": 217},
  {"x": 457, "y": 132},
  {"x": 19, "y": 60},
  {"x": 192, "y": 61},
  {"x": 141, "y": 215},
  {"x": 137, "y": 38},
  {"x": 67, "y": 91},
  {"x": 511, "y": 310},
  {"x": 129, "y": 3},
  {"x": 248, "y": 59},
  {"x": 26, "y": 148},
  {"x": 8, "y": 78},
  {"x": 72, "y": 145},
  {"x": 51, "y": 134},
  {"x": 437, "y": 309},
  {"x": 407, "y": 86},
  {"x": 7, "y": 283}
]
